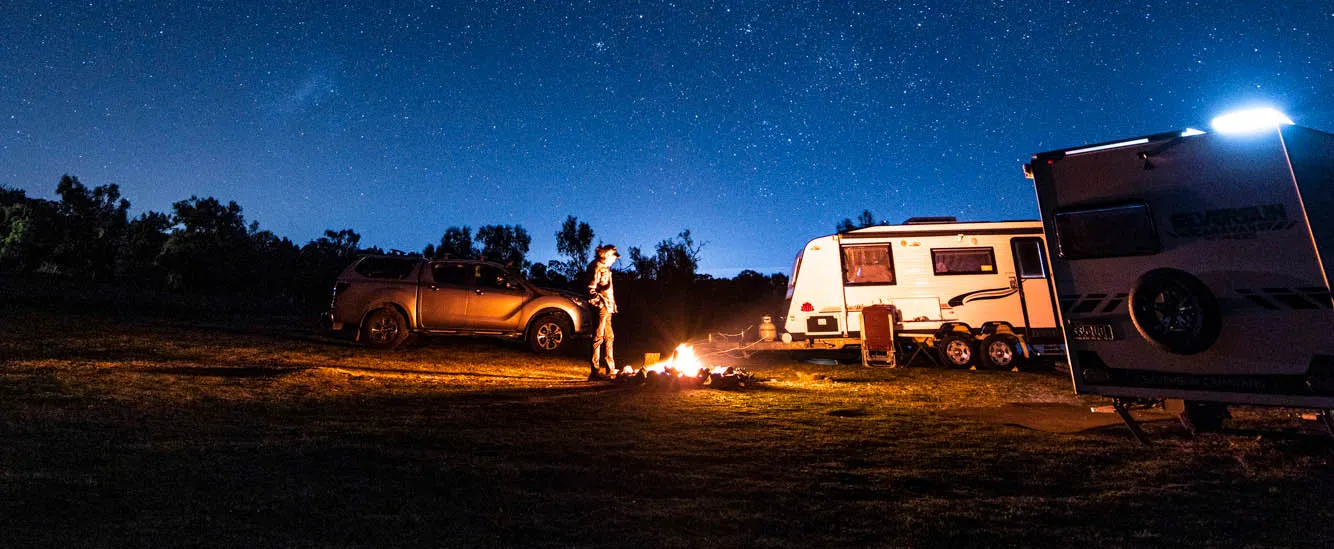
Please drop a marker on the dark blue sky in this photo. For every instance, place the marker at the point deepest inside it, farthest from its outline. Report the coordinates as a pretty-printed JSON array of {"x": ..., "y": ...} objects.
[{"x": 757, "y": 125}]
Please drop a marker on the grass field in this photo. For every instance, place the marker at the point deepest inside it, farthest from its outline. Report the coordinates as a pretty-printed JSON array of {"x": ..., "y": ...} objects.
[{"x": 125, "y": 431}]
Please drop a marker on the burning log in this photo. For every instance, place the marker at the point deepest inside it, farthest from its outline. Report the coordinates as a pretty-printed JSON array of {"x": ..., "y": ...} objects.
[{"x": 684, "y": 369}]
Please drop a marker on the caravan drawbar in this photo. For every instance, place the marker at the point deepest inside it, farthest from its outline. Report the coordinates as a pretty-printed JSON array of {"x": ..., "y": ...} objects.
[{"x": 970, "y": 292}]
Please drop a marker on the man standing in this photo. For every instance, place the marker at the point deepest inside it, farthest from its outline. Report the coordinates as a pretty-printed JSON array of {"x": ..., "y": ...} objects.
[{"x": 605, "y": 300}]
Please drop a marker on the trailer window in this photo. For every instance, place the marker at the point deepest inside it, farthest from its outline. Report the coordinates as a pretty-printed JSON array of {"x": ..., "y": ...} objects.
[
  {"x": 963, "y": 261},
  {"x": 865, "y": 265},
  {"x": 1114, "y": 231}
]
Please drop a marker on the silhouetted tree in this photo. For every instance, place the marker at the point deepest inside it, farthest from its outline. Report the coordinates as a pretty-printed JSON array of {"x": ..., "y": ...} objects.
[
  {"x": 866, "y": 219},
  {"x": 273, "y": 266},
  {"x": 677, "y": 259},
  {"x": 322, "y": 260},
  {"x": 208, "y": 239},
  {"x": 93, "y": 222},
  {"x": 455, "y": 243},
  {"x": 29, "y": 231},
  {"x": 642, "y": 267},
  {"x": 140, "y": 247},
  {"x": 540, "y": 275},
  {"x": 505, "y": 244},
  {"x": 574, "y": 240}
]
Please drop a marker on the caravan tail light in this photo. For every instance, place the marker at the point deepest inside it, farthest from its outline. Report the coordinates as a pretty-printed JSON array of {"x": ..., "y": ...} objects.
[{"x": 807, "y": 308}]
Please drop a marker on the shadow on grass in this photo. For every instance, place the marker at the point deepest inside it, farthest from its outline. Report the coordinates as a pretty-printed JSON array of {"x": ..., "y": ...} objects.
[
  {"x": 207, "y": 371},
  {"x": 409, "y": 371},
  {"x": 615, "y": 465},
  {"x": 579, "y": 389}
]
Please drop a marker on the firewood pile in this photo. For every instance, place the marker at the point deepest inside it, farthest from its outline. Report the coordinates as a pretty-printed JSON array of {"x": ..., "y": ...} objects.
[
  {"x": 670, "y": 378},
  {"x": 684, "y": 370}
]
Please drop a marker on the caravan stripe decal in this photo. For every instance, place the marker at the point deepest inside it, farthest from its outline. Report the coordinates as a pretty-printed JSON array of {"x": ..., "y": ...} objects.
[{"x": 969, "y": 297}]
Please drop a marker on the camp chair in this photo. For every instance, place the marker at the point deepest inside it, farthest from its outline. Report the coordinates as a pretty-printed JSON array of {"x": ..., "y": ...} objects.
[{"x": 878, "y": 336}]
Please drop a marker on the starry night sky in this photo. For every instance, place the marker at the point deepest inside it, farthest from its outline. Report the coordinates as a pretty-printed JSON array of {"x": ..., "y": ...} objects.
[{"x": 756, "y": 125}]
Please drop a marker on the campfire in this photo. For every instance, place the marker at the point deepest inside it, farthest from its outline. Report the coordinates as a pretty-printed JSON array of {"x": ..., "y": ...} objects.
[{"x": 684, "y": 368}]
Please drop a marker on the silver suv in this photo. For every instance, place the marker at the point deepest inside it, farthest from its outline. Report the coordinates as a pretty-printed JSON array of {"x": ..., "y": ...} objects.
[{"x": 384, "y": 299}]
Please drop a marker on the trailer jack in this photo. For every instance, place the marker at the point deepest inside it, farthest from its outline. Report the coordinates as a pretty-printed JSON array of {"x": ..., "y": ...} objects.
[{"x": 1122, "y": 407}]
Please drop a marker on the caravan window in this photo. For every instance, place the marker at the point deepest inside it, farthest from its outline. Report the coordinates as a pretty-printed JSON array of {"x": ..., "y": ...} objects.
[
  {"x": 868, "y": 265},
  {"x": 1109, "y": 231},
  {"x": 1028, "y": 260},
  {"x": 963, "y": 261}
]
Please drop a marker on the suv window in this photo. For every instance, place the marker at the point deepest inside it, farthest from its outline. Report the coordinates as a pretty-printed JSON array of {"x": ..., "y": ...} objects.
[
  {"x": 453, "y": 274},
  {"x": 385, "y": 267},
  {"x": 492, "y": 277}
]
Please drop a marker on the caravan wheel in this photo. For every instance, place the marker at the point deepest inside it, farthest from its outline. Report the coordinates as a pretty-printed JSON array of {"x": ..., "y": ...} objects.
[
  {"x": 1175, "y": 311},
  {"x": 1000, "y": 351},
  {"x": 955, "y": 350}
]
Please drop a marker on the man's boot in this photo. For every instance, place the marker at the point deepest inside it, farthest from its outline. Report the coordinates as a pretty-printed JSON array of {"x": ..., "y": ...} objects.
[{"x": 611, "y": 361}]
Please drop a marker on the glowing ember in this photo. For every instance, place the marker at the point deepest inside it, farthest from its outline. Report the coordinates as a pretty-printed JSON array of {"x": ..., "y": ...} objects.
[{"x": 684, "y": 363}]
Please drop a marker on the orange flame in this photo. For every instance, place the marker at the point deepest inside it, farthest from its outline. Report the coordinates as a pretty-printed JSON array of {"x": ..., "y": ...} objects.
[{"x": 684, "y": 362}]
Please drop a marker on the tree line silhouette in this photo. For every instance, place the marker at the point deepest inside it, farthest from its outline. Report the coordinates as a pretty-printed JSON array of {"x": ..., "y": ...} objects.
[{"x": 204, "y": 246}]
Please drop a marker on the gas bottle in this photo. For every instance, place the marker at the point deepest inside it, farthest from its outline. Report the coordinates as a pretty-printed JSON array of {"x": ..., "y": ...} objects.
[{"x": 767, "y": 329}]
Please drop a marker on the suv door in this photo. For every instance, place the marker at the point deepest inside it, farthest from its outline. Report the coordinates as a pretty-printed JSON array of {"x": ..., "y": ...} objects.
[
  {"x": 497, "y": 300},
  {"x": 445, "y": 290}
]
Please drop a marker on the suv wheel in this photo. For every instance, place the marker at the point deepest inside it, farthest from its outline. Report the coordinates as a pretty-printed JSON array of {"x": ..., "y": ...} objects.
[
  {"x": 550, "y": 333},
  {"x": 384, "y": 329}
]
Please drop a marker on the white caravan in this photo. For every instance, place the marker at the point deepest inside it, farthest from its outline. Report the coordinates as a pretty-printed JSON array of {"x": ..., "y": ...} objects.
[
  {"x": 966, "y": 291},
  {"x": 1196, "y": 266}
]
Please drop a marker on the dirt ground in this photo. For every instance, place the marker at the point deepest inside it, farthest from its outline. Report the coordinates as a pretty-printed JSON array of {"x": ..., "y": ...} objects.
[{"x": 131, "y": 431}]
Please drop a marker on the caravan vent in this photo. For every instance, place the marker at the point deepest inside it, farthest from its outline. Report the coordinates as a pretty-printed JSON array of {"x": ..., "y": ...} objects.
[{"x": 930, "y": 220}]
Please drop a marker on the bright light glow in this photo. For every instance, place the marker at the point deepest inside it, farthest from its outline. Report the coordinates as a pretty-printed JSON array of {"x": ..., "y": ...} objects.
[
  {"x": 1250, "y": 120},
  {"x": 1190, "y": 132},
  {"x": 684, "y": 363},
  {"x": 1118, "y": 145}
]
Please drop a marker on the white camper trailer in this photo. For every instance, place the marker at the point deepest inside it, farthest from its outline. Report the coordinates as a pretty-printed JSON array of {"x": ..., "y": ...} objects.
[
  {"x": 965, "y": 291},
  {"x": 1196, "y": 266}
]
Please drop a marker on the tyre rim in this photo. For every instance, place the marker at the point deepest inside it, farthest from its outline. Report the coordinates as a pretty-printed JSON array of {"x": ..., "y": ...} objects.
[
  {"x": 1000, "y": 352},
  {"x": 384, "y": 330},
  {"x": 958, "y": 352},
  {"x": 1175, "y": 311},
  {"x": 549, "y": 336}
]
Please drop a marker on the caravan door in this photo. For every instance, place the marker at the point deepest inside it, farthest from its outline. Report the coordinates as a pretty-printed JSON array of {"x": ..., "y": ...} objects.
[{"x": 1031, "y": 278}]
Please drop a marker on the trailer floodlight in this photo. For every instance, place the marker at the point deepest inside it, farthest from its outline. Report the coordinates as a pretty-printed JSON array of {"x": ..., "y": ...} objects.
[{"x": 1250, "y": 120}]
